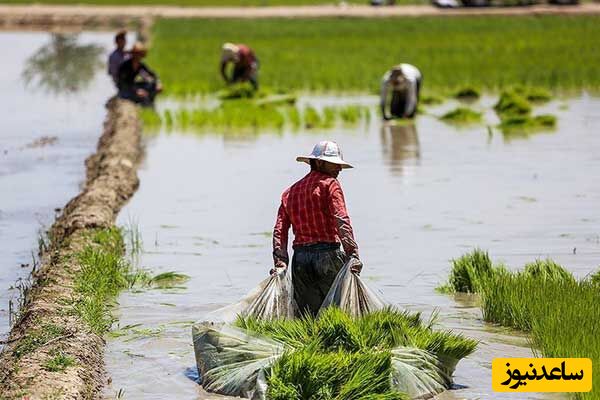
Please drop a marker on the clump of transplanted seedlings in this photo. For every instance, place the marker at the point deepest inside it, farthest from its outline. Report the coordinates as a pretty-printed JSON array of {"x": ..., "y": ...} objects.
[
  {"x": 467, "y": 93},
  {"x": 462, "y": 115}
]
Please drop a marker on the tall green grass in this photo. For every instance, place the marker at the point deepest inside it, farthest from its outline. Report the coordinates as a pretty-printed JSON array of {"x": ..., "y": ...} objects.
[
  {"x": 352, "y": 54},
  {"x": 560, "y": 313}
]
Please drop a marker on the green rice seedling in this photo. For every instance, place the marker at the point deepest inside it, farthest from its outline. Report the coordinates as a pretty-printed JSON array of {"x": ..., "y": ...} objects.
[
  {"x": 462, "y": 115},
  {"x": 312, "y": 119},
  {"x": 470, "y": 270},
  {"x": 59, "y": 362},
  {"x": 547, "y": 270},
  {"x": 525, "y": 123},
  {"x": 512, "y": 104},
  {"x": 150, "y": 119},
  {"x": 431, "y": 99},
  {"x": 296, "y": 333},
  {"x": 338, "y": 375},
  {"x": 322, "y": 54},
  {"x": 595, "y": 278},
  {"x": 467, "y": 93},
  {"x": 293, "y": 118},
  {"x": 534, "y": 94},
  {"x": 329, "y": 117},
  {"x": 350, "y": 115},
  {"x": 238, "y": 91}
]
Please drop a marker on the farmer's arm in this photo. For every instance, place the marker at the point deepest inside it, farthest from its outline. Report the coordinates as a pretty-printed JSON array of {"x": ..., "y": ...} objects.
[
  {"x": 337, "y": 207},
  {"x": 223, "y": 67},
  {"x": 383, "y": 95},
  {"x": 280, "y": 236}
]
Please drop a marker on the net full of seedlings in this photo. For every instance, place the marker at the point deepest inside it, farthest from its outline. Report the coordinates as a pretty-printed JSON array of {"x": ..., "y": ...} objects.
[{"x": 356, "y": 348}]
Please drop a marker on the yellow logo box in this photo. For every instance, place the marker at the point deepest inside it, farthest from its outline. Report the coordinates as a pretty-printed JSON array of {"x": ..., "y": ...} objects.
[{"x": 542, "y": 374}]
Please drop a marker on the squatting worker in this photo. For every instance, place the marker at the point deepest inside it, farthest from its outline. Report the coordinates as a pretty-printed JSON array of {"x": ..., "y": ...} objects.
[
  {"x": 245, "y": 64},
  {"x": 137, "y": 82},
  {"x": 316, "y": 210},
  {"x": 116, "y": 58},
  {"x": 405, "y": 83}
]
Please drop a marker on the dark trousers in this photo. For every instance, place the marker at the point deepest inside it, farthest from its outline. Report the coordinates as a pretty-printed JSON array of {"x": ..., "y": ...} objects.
[
  {"x": 130, "y": 94},
  {"x": 398, "y": 102},
  {"x": 239, "y": 74},
  {"x": 314, "y": 268}
]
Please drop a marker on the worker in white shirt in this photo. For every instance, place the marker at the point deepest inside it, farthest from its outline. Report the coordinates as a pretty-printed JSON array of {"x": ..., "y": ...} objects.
[{"x": 405, "y": 83}]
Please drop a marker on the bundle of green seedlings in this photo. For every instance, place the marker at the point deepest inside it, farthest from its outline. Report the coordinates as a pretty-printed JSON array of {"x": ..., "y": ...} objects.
[
  {"x": 543, "y": 299},
  {"x": 336, "y": 356},
  {"x": 514, "y": 110},
  {"x": 245, "y": 115}
]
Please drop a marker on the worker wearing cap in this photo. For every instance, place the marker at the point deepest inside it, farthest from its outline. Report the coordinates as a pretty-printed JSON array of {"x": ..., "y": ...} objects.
[
  {"x": 316, "y": 210},
  {"x": 405, "y": 82},
  {"x": 137, "y": 82},
  {"x": 245, "y": 64},
  {"x": 116, "y": 58}
]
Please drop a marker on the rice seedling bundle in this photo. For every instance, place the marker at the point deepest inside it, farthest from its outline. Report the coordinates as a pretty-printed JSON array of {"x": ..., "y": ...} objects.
[
  {"x": 462, "y": 115},
  {"x": 336, "y": 356}
]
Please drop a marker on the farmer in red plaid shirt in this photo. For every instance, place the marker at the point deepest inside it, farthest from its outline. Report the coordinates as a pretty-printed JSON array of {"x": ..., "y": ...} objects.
[{"x": 316, "y": 210}]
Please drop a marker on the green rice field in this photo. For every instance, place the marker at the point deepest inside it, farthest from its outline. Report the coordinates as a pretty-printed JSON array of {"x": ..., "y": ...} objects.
[
  {"x": 558, "y": 53},
  {"x": 201, "y": 3}
]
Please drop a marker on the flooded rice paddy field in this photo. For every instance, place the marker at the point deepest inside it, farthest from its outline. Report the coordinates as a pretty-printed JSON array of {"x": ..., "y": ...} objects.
[
  {"x": 52, "y": 118},
  {"x": 419, "y": 196}
]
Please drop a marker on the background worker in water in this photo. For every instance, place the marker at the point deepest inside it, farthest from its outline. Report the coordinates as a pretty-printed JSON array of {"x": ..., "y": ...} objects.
[
  {"x": 315, "y": 208},
  {"x": 116, "y": 58},
  {"x": 245, "y": 64},
  {"x": 404, "y": 80},
  {"x": 137, "y": 82}
]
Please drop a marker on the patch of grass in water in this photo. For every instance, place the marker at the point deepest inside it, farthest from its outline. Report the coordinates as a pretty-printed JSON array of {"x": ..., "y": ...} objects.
[
  {"x": 59, "y": 362},
  {"x": 430, "y": 99},
  {"x": 462, "y": 115},
  {"x": 524, "y": 123},
  {"x": 512, "y": 103},
  {"x": 534, "y": 94},
  {"x": 468, "y": 272},
  {"x": 547, "y": 270}
]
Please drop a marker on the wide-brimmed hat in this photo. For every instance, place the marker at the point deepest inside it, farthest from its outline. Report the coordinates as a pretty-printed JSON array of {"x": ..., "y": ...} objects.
[
  {"x": 326, "y": 151},
  {"x": 229, "y": 52}
]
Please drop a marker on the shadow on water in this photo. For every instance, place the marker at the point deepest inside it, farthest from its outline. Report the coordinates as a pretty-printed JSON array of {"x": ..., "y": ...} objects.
[
  {"x": 400, "y": 144},
  {"x": 63, "y": 65}
]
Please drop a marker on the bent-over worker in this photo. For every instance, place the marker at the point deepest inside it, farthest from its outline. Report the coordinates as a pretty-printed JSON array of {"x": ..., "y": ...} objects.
[
  {"x": 245, "y": 64},
  {"x": 316, "y": 210},
  {"x": 405, "y": 82},
  {"x": 136, "y": 81}
]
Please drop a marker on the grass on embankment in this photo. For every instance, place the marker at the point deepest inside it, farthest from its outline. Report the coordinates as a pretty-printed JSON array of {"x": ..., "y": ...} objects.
[
  {"x": 560, "y": 313},
  {"x": 352, "y": 54}
]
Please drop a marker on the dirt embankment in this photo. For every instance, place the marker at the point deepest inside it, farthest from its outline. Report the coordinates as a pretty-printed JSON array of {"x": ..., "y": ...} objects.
[
  {"x": 47, "y": 325},
  {"x": 89, "y": 16}
]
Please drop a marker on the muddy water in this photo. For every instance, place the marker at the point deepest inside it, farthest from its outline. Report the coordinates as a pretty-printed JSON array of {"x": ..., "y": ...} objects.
[
  {"x": 52, "y": 113},
  {"x": 418, "y": 197}
]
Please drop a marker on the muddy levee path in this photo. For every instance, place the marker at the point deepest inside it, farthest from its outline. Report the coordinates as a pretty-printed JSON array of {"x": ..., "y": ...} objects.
[
  {"x": 13, "y": 15},
  {"x": 111, "y": 179}
]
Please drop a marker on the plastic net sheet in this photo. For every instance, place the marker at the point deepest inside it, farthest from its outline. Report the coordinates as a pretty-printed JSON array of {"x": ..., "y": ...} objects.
[
  {"x": 349, "y": 293},
  {"x": 232, "y": 361},
  {"x": 273, "y": 298},
  {"x": 418, "y": 373}
]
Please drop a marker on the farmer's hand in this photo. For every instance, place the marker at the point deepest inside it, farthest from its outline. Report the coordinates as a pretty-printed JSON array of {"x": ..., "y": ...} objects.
[
  {"x": 356, "y": 266},
  {"x": 278, "y": 265},
  {"x": 141, "y": 93}
]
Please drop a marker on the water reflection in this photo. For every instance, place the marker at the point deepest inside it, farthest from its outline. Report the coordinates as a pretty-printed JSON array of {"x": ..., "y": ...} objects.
[
  {"x": 400, "y": 143},
  {"x": 63, "y": 65}
]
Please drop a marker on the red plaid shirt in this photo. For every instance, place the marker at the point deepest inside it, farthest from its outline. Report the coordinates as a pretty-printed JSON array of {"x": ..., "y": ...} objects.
[{"x": 315, "y": 208}]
